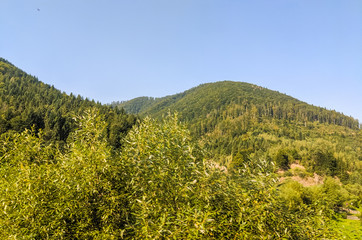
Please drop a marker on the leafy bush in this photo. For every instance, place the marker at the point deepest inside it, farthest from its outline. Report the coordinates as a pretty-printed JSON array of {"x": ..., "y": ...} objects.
[
  {"x": 72, "y": 196},
  {"x": 282, "y": 159},
  {"x": 160, "y": 186},
  {"x": 333, "y": 194},
  {"x": 163, "y": 170}
]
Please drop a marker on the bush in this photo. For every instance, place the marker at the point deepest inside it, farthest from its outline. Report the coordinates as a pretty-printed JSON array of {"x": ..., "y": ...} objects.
[
  {"x": 73, "y": 196},
  {"x": 163, "y": 172},
  {"x": 159, "y": 186},
  {"x": 334, "y": 195},
  {"x": 282, "y": 159}
]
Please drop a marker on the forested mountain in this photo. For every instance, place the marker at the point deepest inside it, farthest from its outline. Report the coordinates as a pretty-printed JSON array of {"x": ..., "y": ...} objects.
[
  {"x": 240, "y": 124},
  {"x": 243, "y": 121},
  {"x": 26, "y": 102},
  {"x": 72, "y": 168},
  {"x": 214, "y": 100}
]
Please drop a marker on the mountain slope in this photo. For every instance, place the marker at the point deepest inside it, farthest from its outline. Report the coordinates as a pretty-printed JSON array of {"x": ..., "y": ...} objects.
[
  {"x": 206, "y": 99},
  {"x": 160, "y": 175},
  {"x": 241, "y": 122},
  {"x": 26, "y": 102}
]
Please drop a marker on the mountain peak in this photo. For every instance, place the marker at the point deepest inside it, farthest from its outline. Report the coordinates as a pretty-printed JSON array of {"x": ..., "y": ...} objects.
[{"x": 199, "y": 102}]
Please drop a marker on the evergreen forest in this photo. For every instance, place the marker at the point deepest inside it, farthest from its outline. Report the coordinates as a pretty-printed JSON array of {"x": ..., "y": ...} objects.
[{"x": 224, "y": 160}]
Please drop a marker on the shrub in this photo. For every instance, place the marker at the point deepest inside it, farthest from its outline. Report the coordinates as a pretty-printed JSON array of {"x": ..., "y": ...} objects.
[
  {"x": 159, "y": 186},
  {"x": 282, "y": 159},
  {"x": 72, "y": 196}
]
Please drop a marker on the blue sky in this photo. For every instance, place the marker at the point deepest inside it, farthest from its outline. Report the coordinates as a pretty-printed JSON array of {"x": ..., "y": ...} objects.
[{"x": 115, "y": 50}]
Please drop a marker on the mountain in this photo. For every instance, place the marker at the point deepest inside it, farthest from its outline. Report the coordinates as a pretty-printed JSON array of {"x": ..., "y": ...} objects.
[
  {"x": 214, "y": 98},
  {"x": 26, "y": 102},
  {"x": 72, "y": 177},
  {"x": 240, "y": 122}
]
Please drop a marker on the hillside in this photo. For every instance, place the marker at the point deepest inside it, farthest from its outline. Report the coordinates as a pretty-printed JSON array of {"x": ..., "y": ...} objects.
[
  {"x": 214, "y": 98},
  {"x": 87, "y": 171},
  {"x": 26, "y": 102},
  {"x": 239, "y": 122}
]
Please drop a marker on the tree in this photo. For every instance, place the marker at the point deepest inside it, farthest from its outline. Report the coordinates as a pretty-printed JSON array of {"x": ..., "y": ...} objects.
[
  {"x": 282, "y": 159},
  {"x": 163, "y": 168}
]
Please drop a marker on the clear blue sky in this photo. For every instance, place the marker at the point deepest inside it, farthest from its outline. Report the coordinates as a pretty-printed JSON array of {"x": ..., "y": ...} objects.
[{"x": 116, "y": 50}]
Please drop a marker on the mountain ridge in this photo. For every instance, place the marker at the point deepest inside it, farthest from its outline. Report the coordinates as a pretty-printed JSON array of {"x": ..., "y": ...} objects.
[{"x": 229, "y": 92}]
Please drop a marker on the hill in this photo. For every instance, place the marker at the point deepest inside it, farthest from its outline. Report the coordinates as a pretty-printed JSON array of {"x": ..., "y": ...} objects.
[
  {"x": 26, "y": 102},
  {"x": 209, "y": 98},
  {"x": 163, "y": 183},
  {"x": 240, "y": 122}
]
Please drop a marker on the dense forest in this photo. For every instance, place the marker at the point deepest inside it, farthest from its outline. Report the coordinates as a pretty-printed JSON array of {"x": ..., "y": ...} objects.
[
  {"x": 240, "y": 123},
  {"x": 27, "y": 103},
  {"x": 215, "y": 162},
  {"x": 214, "y": 100},
  {"x": 243, "y": 121}
]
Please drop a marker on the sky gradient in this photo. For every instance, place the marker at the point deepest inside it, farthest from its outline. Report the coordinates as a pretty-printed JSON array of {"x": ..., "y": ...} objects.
[{"x": 116, "y": 50}]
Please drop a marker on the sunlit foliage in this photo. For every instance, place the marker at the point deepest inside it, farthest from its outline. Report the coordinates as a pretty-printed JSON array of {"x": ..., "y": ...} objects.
[{"x": 159, "y": 186}]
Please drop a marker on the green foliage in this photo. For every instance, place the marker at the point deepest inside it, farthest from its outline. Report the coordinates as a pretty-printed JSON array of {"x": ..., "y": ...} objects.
[
  {"x": 300, "y": 172},
  {"x": 348, "y": 229},
  {"x": 136, "y": 105},
  {"x": 282, "y": 159},
  {"x": 163, "y": 169},
  {"x": 293, "y": 194},
  {"x": 355, "y": 194},
  {"x": 72, "y": 196},
  {"x": 243, "y": 120},
  {"x": 89, "y": 177},
  {"x": 212, "y": 101},
  {"x": 324, "y": 161},
  {"x": 333, "y": 193},
  {"x": 177, "y": 194},
  {"x": 25, "y": 102},
  {"x": 88, "y": 173},
  {"x": 26, "y": 192},
  {"x": 159, "y": 186},
  {"x": 330, "y": 195}
]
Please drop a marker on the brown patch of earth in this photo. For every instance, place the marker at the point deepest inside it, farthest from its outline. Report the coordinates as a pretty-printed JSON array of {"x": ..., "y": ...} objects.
[
  {"x": 306, "y": 182},
  {"x": 352, "y": 217},
  {"x": 296, "y": 165},
  {"x": 351, "y": 213},
  {"x": 309, "y": 181}
]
